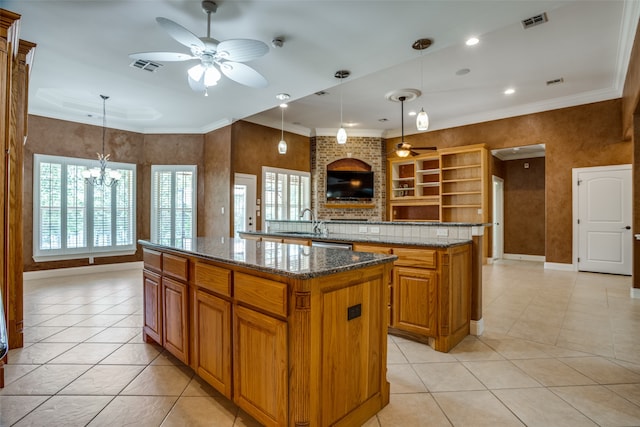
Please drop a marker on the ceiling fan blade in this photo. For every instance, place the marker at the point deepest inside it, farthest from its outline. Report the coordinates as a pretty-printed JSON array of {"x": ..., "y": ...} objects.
[
  {"x": 180, "y": 34},
  {"x": 243, "y": 74},
  {"x": 241, "y": 50},
  {"x": 161, "y": 56}
]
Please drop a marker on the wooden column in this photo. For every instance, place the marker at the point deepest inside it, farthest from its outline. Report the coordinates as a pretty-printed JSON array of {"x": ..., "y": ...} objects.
[{"x": 476, "y": 284}]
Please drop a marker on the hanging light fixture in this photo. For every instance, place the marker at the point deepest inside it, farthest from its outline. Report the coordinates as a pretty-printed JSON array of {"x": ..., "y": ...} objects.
[
  {"x": 102, "y": 175},
  {"x": 282, "y": 145},
  {"x": 403, "y": 149},
  {"x": 342, "y": 133},
  {"x": 422, "y": 120}
]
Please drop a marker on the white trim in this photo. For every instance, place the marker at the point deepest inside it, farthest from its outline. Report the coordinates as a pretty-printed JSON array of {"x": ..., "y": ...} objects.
[
  {"x": 524, "y": 257},
  {"x": 634, "y": 292},
  {"x": 559, "y": 266},
  {"x": 78, "y": 271},
  {"x": 476, "y": 327}
]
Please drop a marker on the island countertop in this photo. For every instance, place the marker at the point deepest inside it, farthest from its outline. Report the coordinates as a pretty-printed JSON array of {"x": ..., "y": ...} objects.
[
  {"x": 412, "y": 240},
  {"x": 295, "y": 261}
]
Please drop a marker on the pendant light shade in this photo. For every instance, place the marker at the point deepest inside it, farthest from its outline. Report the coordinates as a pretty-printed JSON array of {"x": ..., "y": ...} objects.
[
  {"x": 341, "y": 136},
  {"x": 282, "y": 145},
  {"x": 422, "y": 121},
  {"x": 103, "y": 175}
]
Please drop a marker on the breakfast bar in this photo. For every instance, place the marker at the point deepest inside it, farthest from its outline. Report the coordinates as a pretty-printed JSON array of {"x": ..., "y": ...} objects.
[{"x": 294, "y": 335}]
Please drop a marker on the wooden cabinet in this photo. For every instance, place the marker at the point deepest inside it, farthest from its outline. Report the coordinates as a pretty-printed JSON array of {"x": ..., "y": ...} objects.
[
  {"x": 212, "y": 340},
  {"x": 175, "y": 322},
  {"x": 451, "y": 186},
  {"x": 260, "y": 366},
  {"x": 465, "y": 189},
  {"x": 415, "y": 300},
  {"x": 152, "y": 306},
  {"x": 415, "y": 189}
]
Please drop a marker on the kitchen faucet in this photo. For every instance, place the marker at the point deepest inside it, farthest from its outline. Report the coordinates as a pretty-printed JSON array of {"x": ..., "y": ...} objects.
[{"x": 315, "y": 225}]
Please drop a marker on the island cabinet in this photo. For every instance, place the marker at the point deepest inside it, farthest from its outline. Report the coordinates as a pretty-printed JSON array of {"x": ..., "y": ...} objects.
[
  {"x": 290, "y": 350},
  {"x": 430, "y": 294}
]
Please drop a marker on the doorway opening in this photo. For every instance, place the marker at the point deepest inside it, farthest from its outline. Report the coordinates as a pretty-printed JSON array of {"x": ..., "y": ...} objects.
[{"x": 245, "y": 207}]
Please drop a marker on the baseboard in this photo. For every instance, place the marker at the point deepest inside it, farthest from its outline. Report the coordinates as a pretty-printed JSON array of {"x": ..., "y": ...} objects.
[
  {"x": 524, "y": 257},
  {"x": 635, "y": 292},
  {"x": 78, "y": 271},
  {"x": 476, "y": 327},
  {"x": 559, "y": 266}
]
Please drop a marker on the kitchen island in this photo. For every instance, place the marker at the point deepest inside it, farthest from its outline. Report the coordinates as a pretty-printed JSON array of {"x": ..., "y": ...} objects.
[{"x": 294, "y": 335}]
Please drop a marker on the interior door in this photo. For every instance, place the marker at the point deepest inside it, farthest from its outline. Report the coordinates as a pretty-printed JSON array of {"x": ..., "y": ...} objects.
[
  {"x": 604, "y": 219},
  {"x": 245, "y": 208},
  {"x": 498, "y": 218}
]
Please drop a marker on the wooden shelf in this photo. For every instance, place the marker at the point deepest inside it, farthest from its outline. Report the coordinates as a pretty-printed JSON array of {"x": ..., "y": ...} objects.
[{"x": 450, "y": 168}]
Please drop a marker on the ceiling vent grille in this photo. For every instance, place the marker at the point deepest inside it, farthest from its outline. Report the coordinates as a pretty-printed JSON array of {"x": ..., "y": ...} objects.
[
  {"x": 146, "y": 65},
  {"x": 534, "y": 20},
  {"x": 555, "y": 81}
]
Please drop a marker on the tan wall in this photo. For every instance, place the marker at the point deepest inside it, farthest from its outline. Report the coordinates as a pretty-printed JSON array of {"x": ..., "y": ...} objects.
[
  {"x": 254, "y": 146},
  {"x": 69, "y": 139},
  {"x": 582, "y": 136},
  {"x": 524, "y": 206},
  {"x": 217, "y": 183}
]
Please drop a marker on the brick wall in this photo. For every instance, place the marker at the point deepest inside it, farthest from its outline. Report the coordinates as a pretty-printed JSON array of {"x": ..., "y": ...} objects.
[{"x": 371, "y": 150}]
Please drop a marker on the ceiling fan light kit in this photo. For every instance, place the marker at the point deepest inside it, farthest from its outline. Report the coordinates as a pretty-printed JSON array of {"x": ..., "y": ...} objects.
[
  {"x": 404, "y": 149},
  {"x": 216, "y": 57}
]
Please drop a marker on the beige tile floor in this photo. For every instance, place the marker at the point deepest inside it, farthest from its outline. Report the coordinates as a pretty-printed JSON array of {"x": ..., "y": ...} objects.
[{"x": 559, "y": 349}]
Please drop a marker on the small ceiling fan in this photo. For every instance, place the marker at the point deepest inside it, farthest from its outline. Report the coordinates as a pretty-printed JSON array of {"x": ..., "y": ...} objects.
[
  {"x": 404, "y": 149},
  {"x": 227, "y": 55}
]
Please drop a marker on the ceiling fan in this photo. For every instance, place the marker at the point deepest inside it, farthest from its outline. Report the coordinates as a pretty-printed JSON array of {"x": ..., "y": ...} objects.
[
  {"x": 404, "y": 149},
  {"x": 227, "y": 55}
]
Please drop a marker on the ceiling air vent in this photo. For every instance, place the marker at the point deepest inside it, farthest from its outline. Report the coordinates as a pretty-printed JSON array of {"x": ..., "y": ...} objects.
[
  {"x": 534, "y": 20},
  {"x": 555, "y": 81},
  {"x": 146, "y": 65}
]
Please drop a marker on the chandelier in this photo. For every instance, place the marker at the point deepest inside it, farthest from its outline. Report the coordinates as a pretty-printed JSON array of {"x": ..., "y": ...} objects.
[{"x": 102, "y": 176}]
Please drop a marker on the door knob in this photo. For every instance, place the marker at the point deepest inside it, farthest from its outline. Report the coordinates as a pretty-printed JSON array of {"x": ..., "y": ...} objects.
[{"x": 628, "y": 227}]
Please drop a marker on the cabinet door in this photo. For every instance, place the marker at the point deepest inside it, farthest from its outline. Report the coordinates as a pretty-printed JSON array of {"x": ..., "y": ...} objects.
[
  {"x": 152, "y": 306},
  {"x": 212, "y": 340},
  {"x": 260, "y": 366},
  {"x": 175, "y": 321},
  {"x": 414, "y": 300}
]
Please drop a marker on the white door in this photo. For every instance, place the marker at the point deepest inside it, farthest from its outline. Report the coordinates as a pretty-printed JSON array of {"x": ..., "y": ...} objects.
[
  {"x": 604, "y": 219},
  {"x": 245, "y": 208},
  {"x": 498, "y": 218}
]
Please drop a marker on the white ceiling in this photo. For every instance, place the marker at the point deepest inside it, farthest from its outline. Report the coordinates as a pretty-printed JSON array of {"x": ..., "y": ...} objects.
[{"x": 83, "y": 49}]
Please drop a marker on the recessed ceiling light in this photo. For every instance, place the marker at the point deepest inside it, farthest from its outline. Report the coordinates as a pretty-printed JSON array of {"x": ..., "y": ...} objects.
[
  {"x": 282, "y": 96},
  {"x": 510, "y": 91},
  {"x": 472, "y": 41},
  {"x": 412, "y": 113}
]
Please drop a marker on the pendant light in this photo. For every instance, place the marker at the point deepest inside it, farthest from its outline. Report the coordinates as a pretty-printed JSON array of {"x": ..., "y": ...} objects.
[
  {"x": 341, "y": 136},
  {"x": 102, "y": 175},
  {"x": 282, "y": 145},
  {"x": 403, "y": 149},
  {"x": 422, "y": 120}
]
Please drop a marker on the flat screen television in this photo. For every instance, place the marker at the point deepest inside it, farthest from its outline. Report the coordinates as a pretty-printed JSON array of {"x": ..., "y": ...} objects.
[{"x": 349, "y": 185}]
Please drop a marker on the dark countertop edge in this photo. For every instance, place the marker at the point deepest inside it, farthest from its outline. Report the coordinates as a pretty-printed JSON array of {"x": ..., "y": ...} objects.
[
  {"x": 400, "y": 223},
  {"x": 382, "y": 259},
  {"x": 355, "y": 238}
]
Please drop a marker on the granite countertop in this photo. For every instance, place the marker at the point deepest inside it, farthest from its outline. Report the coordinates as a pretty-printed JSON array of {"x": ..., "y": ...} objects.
[
  {"x": 440, "y": 242},
  {"x": 301, "y": 262}
]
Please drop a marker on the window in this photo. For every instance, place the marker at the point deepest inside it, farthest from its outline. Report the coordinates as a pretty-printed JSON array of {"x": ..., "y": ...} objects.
[
  {"x": 72, "y": 219},
  {"x": 285, "y": 193},
  {"x": 173, "y": 205}
]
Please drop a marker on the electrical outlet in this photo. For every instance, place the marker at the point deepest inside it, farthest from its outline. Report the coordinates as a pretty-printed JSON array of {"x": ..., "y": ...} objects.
[
  {"x": 442, "y": 232},
  {"x": 362, "y": 229}
]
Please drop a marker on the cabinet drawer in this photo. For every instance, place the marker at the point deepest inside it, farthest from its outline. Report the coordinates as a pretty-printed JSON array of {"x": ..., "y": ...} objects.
[
  {"x": 175, "y": 266},
  {"x": 411, "y": 257},
  {"x": 152, "y": 260},
  {"x": 266, "y": 294},
  {"x": 371, "y": 248},
  {"x": 212, "y": 278}
]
